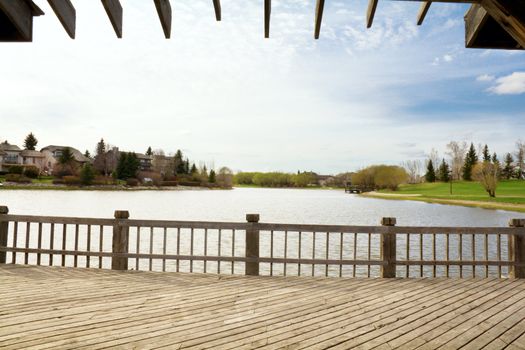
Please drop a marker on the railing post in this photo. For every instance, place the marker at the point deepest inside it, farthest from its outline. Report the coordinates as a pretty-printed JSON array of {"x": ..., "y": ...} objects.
[
  {"x": 4, "y": 229},
  {"x": 388, "y": 250},
  {"x": 517, "y": 250},
  {"x": 120, "y": 241},
  {"x": 252, "y": 245}
]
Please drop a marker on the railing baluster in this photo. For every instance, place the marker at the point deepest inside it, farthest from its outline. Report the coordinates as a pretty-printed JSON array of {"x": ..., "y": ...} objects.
[
  {"x": 285, "y": 251},
  {"x": 498, "y": 252},
  {"x": 341, "y": 254},
  {"x": 486, "y": 255},
  {"x": 137, "y": 249},
  {"x": 75, "y": 258},
  {"x": 205, "y": 248},
  {"x": 421, "y": 254},
  {"x": 407, "y": 273},
  {"x": 299, "y": 254},
  {"x": 64, "y": 238},
  {"x": 39, "y": 244},
  {"x": 473, "y": 255},
  {"x": 434, "y": 254},
  {"x": 313, "y": 253},
  {"x": 460, "y": 255},
  {"x": 369, "y": 251},
  {"x": 88, "y": 248},
  {"x": 233, "y": 251},
  {"x": 355, "y": 255},
  {"x": 178, "y": 248},
  {"x": 191, "y": 249},
  {"x": 100, "y": 244},
  {"x": 447, "y": 250},
  {"x": 219, "y": 252},
  {"x": 28, "y": 237},
  {"x": 164, "y": 239},
  {"x": 271, "y": 252},
  {"x": 327, "y": 253},
  {"x": 151, "y": 248},
  {"x": 15, "y": 241}
]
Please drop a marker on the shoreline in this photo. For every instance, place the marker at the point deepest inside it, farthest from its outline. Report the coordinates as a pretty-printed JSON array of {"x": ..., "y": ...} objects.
[
  {"x": 33, "y": 187},
  {"x": 457, "y": 202}
]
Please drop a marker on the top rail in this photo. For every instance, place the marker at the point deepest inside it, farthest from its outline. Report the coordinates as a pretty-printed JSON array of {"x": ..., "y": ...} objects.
[{"x": 264, "y": 226}]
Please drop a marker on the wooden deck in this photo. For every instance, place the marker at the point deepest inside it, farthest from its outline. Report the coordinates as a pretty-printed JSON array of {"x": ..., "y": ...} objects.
[{"x": 62, "y": 308}]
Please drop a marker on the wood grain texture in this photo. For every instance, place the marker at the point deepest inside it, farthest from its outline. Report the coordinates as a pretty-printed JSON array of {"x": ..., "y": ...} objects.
[{"x": 60, "y": 308}]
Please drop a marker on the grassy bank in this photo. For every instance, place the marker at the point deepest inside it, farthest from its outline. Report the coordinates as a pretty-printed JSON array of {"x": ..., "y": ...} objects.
[{"x": 510, "y": 195}]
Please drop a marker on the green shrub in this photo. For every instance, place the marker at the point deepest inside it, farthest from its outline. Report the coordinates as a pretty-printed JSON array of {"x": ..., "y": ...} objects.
[
  {"x": 17, "y": 178},
  {"x": 71, "y": 180},
  {"x": 16, "y": 169},
  {"x": 87, "y": 175},
  {"x": 32, "y": 172},
  {"x": 132, "y": 182}
]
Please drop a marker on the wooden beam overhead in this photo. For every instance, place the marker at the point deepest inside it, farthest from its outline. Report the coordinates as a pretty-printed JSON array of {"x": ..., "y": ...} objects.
[
  {"x": 267, "y": 13},
  {"x": 510, "y": 14},
  {"x": 66, "y": 13},
  {"x": 318, "y": 17},
  {"x": 370, "y": 13},
  {"x": 217, "y": 7},
  {"x": 423, "y": 12},
  {"x": 114, "y": 11},
  {"x": 20, "y": 14},
  {"x": 164, "y": 12}
]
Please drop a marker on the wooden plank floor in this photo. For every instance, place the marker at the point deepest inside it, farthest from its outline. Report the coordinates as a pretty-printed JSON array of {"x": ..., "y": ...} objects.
[{"x": 66, "y": 308}]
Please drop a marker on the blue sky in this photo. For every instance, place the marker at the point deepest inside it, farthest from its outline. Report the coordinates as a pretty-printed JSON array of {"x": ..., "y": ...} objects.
[{"x": 226, "y": 96}]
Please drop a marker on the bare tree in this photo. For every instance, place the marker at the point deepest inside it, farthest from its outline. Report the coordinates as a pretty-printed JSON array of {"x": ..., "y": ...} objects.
[
  {"x": 520, "y": 158},
  {"x": 434, "y": 156},
  {"x": 456, "y": 151},
  {"x": 413, "y": 168},
  {"x": 487, "y": 174}
]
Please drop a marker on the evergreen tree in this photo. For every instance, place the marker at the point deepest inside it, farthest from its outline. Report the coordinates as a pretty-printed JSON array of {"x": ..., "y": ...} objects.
[
  {"x": 100, "y": 160},
  {"x": 87, "y": 175},
  {"x": 470, "y": 160},
  {"x": 128, "y": 166},
  {"x": 30, "y": 142},
  {"x": 212, "y": 178},
  {"x": 444, "y": 171},
  {"x": 430, "y": 175},
  {"x": 87, "y": 154},
  {"x": 66, "y": 158},
  {"x": 179, "y": 163},
  {"x": 204, "y": 171},
  {"x": 508, "y": 169},
  {"x": 187, "y": 166},
  {"x": 149, "y": 152},
  {"x": 193, "y": 169},
  {"x": 486, "y": 154},
  {"x": 495, "y": 158}
]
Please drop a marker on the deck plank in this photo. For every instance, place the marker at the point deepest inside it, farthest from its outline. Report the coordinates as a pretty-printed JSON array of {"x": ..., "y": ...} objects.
[{"x": 78, "y": 308}]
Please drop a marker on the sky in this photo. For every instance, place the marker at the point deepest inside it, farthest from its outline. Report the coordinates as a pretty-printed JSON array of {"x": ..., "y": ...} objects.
[{"x": 224, "y": 95}]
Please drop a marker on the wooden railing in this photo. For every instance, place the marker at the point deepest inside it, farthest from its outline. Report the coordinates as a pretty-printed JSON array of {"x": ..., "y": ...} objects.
[{"x": 255, "y": 248}]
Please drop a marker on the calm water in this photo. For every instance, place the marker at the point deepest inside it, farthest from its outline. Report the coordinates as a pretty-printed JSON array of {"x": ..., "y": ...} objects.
[{"x": 274, "y": 205}]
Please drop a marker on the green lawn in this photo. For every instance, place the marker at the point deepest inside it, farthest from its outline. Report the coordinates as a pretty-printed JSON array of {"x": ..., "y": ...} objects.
[{"x": 511, "y": 192}]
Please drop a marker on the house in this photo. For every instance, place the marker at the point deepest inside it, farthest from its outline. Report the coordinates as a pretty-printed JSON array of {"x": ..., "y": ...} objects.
[
  {"x": 164, "y": 165},
  {"x": 113, "y": 155},
  {"x": 9, "y": 156},
  {"x": 12, "y": 155},
  {"x": 53, "y": 153}
]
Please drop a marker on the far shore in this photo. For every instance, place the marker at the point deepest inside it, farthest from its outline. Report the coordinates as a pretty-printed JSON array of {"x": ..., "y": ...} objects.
[
  {"x": 515, "y": 207},
  {"x": 109, "y": 188}
]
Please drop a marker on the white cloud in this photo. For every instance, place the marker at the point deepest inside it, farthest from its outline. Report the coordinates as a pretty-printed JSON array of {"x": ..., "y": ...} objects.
[
  {"x": 448, "y": 58},
  {"x": 485, "y": 77},
  {"x": 513, "y": 84}
]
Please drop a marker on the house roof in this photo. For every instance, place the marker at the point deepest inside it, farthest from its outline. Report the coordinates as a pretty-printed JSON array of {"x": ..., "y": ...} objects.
[
  {"x": 79, "y": 157},
  {"x": 30, "y": 153},
  {"x": 4, "y": 146}
]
